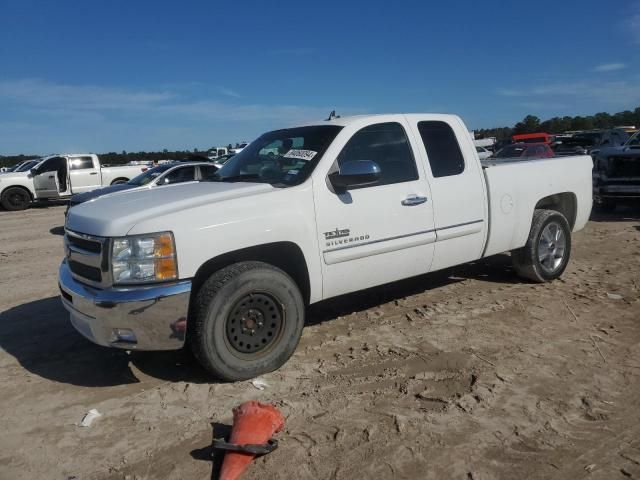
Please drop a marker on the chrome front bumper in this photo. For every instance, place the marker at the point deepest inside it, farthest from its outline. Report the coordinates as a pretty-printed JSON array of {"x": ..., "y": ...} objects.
[{"x": 150, "y": 317}]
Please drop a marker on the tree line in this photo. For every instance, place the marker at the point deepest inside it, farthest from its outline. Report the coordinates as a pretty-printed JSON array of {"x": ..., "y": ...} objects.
[{"x": 532, "y": 124}]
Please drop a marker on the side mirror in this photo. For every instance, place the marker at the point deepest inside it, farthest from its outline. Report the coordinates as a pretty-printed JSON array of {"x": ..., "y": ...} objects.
[{"x": 356, "y": 173}]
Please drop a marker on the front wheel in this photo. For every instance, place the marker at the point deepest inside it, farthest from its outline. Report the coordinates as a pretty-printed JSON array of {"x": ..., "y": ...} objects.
[
  {"x": 247, "y": 319},
  {"x": 15, "y": 198},
  {"x": 546, "y": 254}
]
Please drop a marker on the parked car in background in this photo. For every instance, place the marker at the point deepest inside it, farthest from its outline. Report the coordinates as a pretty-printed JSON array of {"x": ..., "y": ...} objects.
[
  {"x": 587, "y": 142},
  {"x": 216, "y": 152},
  {"x": 525, "y": 150},
  {"x": 483, "y": 153},
  {"x": 351, "y": 203},
  {"x": 59, "y": 177},
  {"x": 533, "y": 138},
  {"x": 616, "y": 174},
  {"x": 166, "y": 174},
  {"x": 239, "y": 147},
  {"x": 23, "y": 166}
]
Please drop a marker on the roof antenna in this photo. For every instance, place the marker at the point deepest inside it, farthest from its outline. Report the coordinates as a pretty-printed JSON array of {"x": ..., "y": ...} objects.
[{"x": 332, "y": 116}]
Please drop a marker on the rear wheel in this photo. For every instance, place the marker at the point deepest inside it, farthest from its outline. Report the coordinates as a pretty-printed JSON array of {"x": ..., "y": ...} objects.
[
  {"x": 247, "y": 320},
  {"x": 15, "y": 198},
  {"x": 119, "y": 181},
  {"x": 546, "y": 253}
]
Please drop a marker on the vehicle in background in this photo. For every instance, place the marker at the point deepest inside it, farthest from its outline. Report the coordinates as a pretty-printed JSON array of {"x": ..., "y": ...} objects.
[
  {"x": 59, "y": 177},
  {"x": 348, "y": 204},
  {"x": 220, "y": 161},
  {"x": 488, "y": 143},
  {"x": 483, "y": 153},
  {"x": 616, "y": 174},
  {"x": 166, "y": 174},
  {"x": 533, "y": 138},
  {"x": 239, "y": 147},
  {"x": 216, "y": 152},
  {"x": 525, "y": 150},
  {"x": 23, "y": 166},
  {"x": 589, "y": 142}
]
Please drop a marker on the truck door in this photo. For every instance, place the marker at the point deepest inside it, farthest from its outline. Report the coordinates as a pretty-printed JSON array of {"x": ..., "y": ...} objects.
[
  {"x": 457, "y": 186},
  {"x": 46, "y": 178},
  {"x": 381, "y": 232},
  {"x": 84, "y": 174}
]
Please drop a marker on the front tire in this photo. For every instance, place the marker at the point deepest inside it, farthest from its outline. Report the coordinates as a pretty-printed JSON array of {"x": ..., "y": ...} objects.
[
  {"x": 15, "y": 198},
  {"x": 546, "y": 254},
  {"x": 247, "y": 320},
  {"x": 119, "y": 181}
]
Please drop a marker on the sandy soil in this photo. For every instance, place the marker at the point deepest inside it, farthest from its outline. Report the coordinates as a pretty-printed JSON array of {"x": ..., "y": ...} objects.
[{"x": 468, "y": 374}]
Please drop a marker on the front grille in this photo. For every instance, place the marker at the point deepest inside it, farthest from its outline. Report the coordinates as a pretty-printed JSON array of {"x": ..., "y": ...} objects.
[
  {"x": 88, "y": 245},
  {"x": 620, "y": 167},
  {"x": 90, "y": 273}
]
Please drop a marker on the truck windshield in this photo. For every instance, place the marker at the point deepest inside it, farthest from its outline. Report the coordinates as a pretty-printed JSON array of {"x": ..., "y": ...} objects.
[
  {"x": 150, "y": 175},
  {"x": 282, "y": 157}
]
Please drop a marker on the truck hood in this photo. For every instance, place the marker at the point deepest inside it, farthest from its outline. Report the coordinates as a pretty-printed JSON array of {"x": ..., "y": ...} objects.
[
  {"x": 13, "y": 175},
  {"x": 116, "y": 214}
]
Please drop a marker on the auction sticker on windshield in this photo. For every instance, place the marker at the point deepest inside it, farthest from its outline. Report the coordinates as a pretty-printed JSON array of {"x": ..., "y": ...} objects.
[{"x": 300, "y": 154}]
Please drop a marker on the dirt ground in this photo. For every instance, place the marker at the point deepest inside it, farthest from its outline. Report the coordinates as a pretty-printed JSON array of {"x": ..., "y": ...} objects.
[{"x": 467, "y": 374}]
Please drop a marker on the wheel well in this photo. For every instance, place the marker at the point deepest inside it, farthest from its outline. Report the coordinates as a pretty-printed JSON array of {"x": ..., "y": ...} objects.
[
  {"x": 20, "y": 187},
  {"x": 119, "y": 179},
  {"x": 565, "y": 203},
  {"x": 287, "y": 256}
]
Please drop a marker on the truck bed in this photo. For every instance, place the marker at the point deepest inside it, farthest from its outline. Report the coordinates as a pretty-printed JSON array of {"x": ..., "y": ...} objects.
[{"x": 515, "y": 187}]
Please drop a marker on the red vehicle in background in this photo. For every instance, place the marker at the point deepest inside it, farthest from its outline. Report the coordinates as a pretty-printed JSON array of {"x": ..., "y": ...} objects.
[
  {"x": 533, "y": 138},
  {"x": 529, "y": 150}
]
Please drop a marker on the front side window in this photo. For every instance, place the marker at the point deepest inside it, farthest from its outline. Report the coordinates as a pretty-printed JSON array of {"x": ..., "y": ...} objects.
[
  {"x": 443, "y": 151},
  {"x": 282, "y": 157},
  {"x": 387, "y": 145},
  {"x": 81, "y": 163}
]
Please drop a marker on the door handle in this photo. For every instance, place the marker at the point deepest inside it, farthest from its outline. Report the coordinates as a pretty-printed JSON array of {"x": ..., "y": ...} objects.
[
  {"x": 413, "y": 200},
  {"x": 93, "y": 173}
]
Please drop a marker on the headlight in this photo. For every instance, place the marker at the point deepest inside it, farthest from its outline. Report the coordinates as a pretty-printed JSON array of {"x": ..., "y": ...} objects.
[{"x": 144, "y": 258}]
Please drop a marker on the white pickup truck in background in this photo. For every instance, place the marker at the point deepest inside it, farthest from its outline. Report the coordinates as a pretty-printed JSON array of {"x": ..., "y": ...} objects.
[
  {"x": 58, "y": 177},
  {"x": 230, "y": 266}
]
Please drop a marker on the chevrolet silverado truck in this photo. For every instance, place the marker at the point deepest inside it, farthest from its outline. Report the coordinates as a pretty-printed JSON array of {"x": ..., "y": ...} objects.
[
  {"x": 229, "y": 266},
  {"x": 616, "y": 174},
  {"x": 58, "y": 177}
]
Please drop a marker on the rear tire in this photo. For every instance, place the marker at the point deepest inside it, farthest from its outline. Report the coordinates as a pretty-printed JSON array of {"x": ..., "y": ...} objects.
[
  {"x": 247, "y": 320},
  {"x": 119, "y": 181},
  {"x": 15, "y": 198},
  {"x": 546, "y": 254}
]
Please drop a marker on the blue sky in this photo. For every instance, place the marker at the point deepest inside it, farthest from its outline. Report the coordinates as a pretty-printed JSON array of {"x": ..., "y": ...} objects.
[{"x": 145, "y": 75}]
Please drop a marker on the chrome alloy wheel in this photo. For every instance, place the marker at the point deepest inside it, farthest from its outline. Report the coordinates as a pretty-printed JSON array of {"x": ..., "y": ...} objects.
[{"x": 551, "y": 247}]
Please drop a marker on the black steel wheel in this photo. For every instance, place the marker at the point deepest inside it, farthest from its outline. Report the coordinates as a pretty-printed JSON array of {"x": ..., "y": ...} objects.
[{"x": 245, "y": 320}]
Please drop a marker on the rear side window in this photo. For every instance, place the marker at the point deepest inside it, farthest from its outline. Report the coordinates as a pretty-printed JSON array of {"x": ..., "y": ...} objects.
[
  {"x": 179, "y": 175},
  {"x": 441, "y": 144},
  {"x": 208, "y": 172},
  {"x": 388, "y": 146},
  {"x": 81, "y": 163}
]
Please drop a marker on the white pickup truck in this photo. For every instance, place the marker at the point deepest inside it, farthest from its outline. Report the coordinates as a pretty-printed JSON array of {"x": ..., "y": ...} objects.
[
  {"x": 58, "y": 177},
  {"x": 230, "y": 266}
]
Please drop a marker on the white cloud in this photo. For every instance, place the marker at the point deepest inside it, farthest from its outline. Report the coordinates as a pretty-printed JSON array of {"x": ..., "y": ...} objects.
[
  {"x": 616, "y": 94},
  {"x": 228, "y": 92},
  {"x": 609, "y": 67},
  {"x": 38, "y": 93}
]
